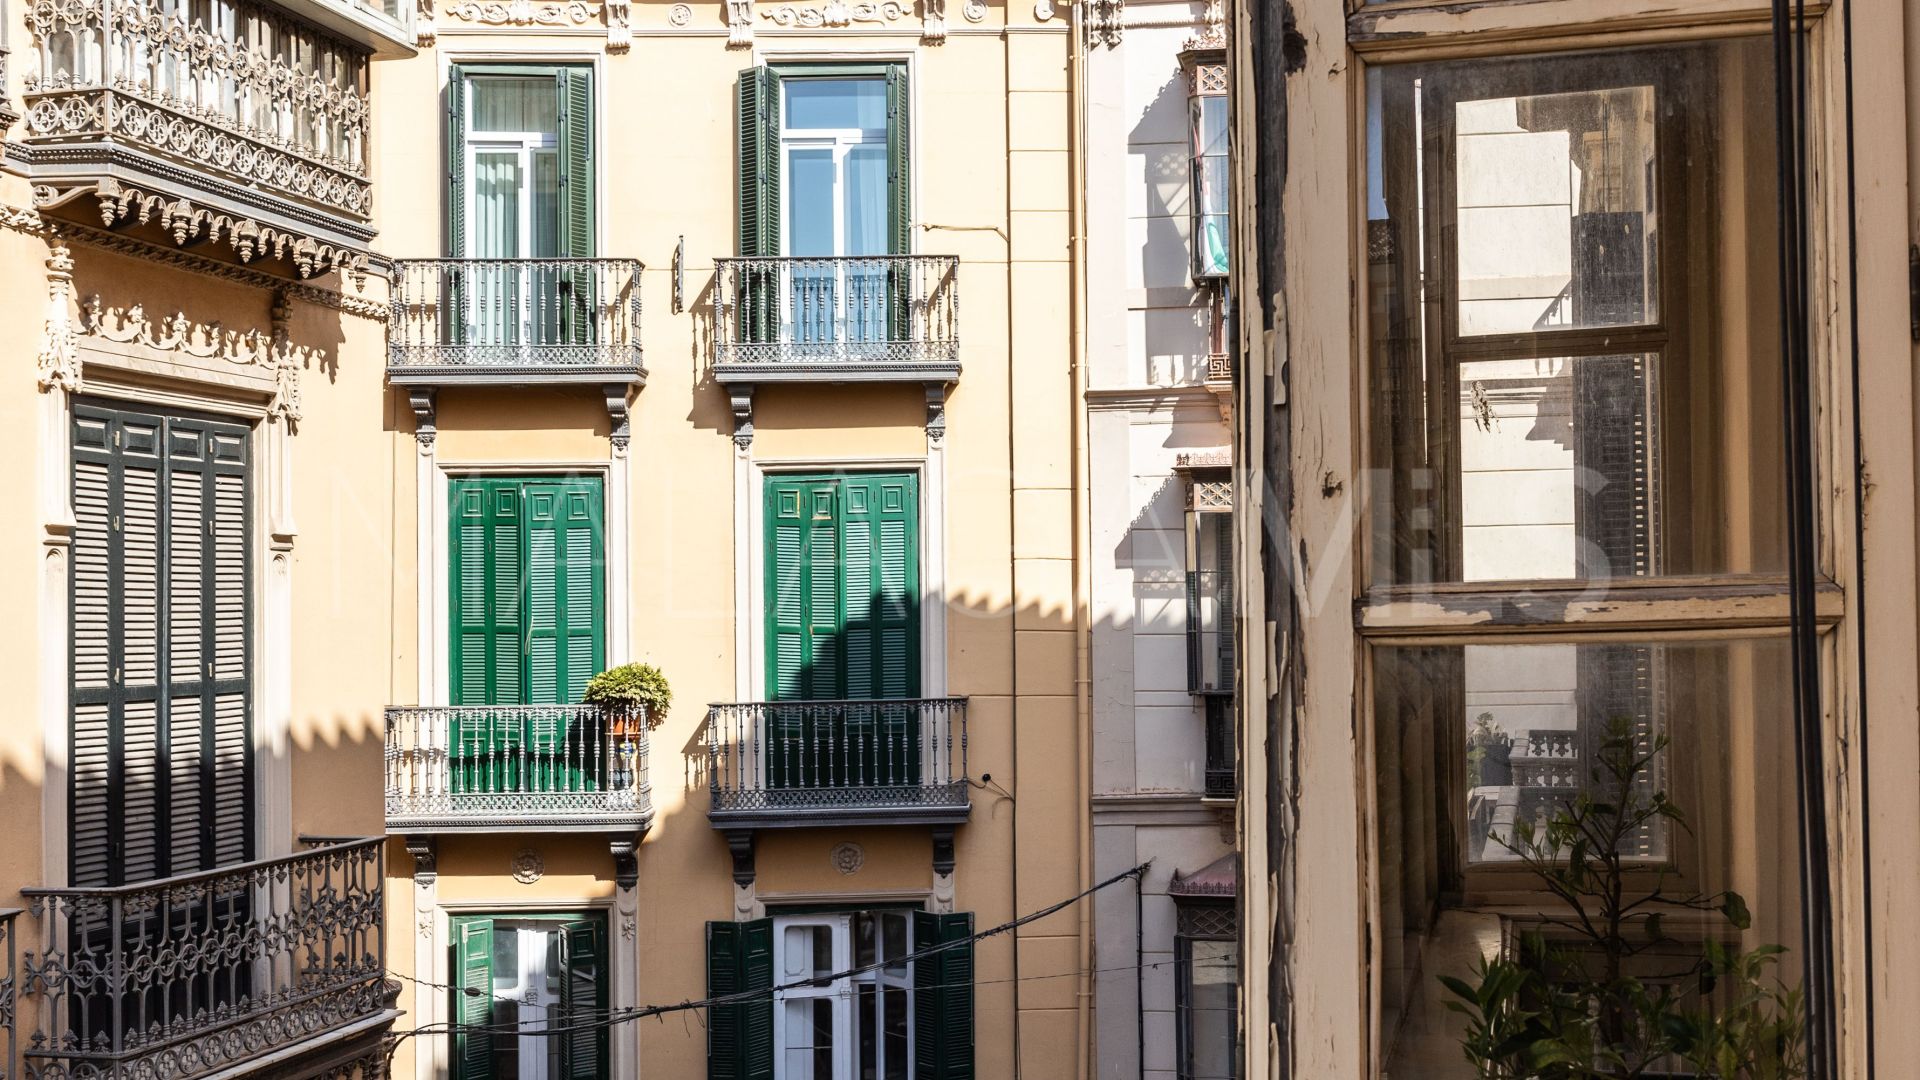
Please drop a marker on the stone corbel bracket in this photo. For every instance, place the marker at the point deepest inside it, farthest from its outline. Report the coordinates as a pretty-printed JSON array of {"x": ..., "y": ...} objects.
[
  {"x": 739, "y": 24},
  {"x": 186, "y": 223}
]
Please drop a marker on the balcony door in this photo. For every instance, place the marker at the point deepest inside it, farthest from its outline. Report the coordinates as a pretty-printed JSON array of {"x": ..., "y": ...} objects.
[
  {"x": 529, "y": 992},
  {"x": 843, "y": 628},
  {"x": 529, "y": 615},
  {"x": 521, "y": 202}
]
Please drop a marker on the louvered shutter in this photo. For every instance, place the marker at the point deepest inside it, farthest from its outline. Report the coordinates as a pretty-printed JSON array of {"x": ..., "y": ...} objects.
[
  {"x": 740, "y": 1034},
  {"x": 758, "y": 180},
  {"x": 486, "y": 566},
  {"x": 456, "y": 166},
  {"x": 565, "y": 563},
  {"x": 900, "y": 298},
  {"x": 583, "y": 1000},
  {"x": 881, "y": 589},
  {"x": 473, "y": 1001},
  {"x": 803, "y": 585},
  {"x": 579, "y": 304},
  {"x": 943, "y": 997},
  {"x": 161, "y": 669}
]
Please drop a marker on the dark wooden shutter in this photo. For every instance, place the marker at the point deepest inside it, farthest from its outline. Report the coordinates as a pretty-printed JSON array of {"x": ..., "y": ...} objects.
[
  {"x": 456, "y": 165},
  {"x": 583, "y": 1000},
  {"x": 881, "y": 590},
  {"x": 759, "y": 161},
  {"x": 473, "y": 1000},
  {"x": 899, "y": 162},
  {"x": 565, "y": 561},
  {"x": 943, "y": 997},
  {"x": 488, "y": 589},
  {"x": 740, "y": 1034},
  {"x": 160, "y": 690}
]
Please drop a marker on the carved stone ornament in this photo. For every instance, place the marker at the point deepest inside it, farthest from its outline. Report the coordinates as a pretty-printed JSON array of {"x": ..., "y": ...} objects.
[
  {"x": 933, "y": 21},
  {"x": 619, "y": 14},
  {"x": 187, "y": 223},
  {"x": 974, "y": 11},
  {"x": 176, "y": 333},
  {"x": 836, "y": 13},
  {"x": 1043, "y": 10},
  {"x": 423, "y": 28},
  {"x": 847, "y": 857},
  {"x": 59, "y": 360},
  {"x": 739, "y": 23},
  {"x": 1104, "y": 20},
  {"x": 528, "y": 867},
  {"x": 1213, "y": 31},
  {"x": 521, "y": 12},
  {"x": 679, "y": 15}
]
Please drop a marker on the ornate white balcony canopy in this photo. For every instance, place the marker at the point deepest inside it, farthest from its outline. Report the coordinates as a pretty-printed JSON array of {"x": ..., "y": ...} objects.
[{"x": 250, "y": 132}]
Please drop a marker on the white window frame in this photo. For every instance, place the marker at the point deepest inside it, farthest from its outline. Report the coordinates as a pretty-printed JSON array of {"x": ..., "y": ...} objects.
[{"x": 844, "y": 991}]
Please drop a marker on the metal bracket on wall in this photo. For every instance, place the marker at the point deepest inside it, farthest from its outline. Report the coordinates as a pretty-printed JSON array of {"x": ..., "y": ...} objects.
[{"x": 426, "y": 853}]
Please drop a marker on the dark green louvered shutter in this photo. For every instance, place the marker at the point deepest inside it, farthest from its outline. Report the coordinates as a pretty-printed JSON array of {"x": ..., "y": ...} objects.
[
  {"x": 456, "y": 162},
  {"x": 578, "y": 302},
  {"x": 473, "y": 1000},
  {"x": 565, "y": 561},
  {"x": 583, "y": 1000},
  {"x": 759, "y": 161},
  {"x": 487, "y": 592},
  {"x": 740, "y": 1034},
  {"x": 900, "y": 298},
  {"x": 161, "y": 652},
  {"x": 881, "y": 593},
  {"x": 803, "y": 583},
  {"x": 943, "y": 997}
]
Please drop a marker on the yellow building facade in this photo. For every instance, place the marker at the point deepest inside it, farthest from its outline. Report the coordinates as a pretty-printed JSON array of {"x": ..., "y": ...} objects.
[{"x": 515, "y": 343}]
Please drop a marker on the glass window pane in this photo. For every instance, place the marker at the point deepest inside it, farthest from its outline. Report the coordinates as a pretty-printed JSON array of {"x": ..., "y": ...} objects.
[
  {"x": 809, "y": 184},
  {"x": 893, "y": 925},
  {"x": 867, "y": 198},
  {"x": 546, "y": 204},
  {"x": 1211, "y": 1000},
  {"x": 520, "y": 104},
  {"x": 1210, "y": 125},
  {"x": 1606, "y": 445},
  {"x": 894, "y": 1022},
  {"x": 836, "y": 104},
  {"x": 1487, "y": 761},
  {"x": 1555, "y": 209},
  {"x": 494, "y": 231}
]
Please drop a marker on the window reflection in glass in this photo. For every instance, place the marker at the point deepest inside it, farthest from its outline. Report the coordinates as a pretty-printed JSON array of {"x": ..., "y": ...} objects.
[
  {"x": 1573, "y": 369},
  {"x": 1477, "y": 746}
]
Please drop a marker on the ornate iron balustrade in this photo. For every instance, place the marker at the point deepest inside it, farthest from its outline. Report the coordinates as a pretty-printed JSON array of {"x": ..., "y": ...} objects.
[
  {"x": 207, "y": 972},
  {"x": 823, "y": 762},
  {"x": 474, "y": 768},
  {"x": 9, "y": 991},
  {"x": 1223, "y": 756},
  {"x": 515, "y": 320},
  {"x": 243, "y": 123},
  {"x": 880, "y": 317}
]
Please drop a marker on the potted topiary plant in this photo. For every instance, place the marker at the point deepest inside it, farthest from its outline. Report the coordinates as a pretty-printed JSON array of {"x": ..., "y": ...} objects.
[{"x": 634, "y": 696}]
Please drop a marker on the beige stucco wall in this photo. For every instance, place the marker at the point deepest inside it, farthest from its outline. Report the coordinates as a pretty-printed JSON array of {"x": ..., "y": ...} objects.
[{"x": 666, "y": 162}]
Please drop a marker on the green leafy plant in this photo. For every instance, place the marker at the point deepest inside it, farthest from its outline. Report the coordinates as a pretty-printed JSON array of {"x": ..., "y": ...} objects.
[
  {"x": 629, "y": 688},
  {"x": 1575, "y": 1010}
]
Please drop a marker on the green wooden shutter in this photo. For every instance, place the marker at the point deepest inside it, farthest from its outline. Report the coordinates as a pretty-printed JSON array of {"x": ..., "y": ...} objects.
[
  {"x": 473, "y": 1000},
  {"x": 486, "y": 568},
  {"x": 740, "y": 1034},
  {"x": 943, "y": 997},
  {"x": 803, "y": 585},
  {"x": 583, "y": 1000},
  {"x": 565, "y": 561},
  {"x": 899, "y": 162},
  {"x": 759, "y": 161},
  {"x": 456, "y": 163},
  {"x": 575, "y": 87},
  {"x": 881, "y": 589}
]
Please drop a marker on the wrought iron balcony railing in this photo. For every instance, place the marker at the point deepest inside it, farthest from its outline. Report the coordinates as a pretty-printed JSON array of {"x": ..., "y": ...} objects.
[
  {"x": 515, "y": 320},
  {"x": 9, "y": 990},
  {"x": 477, "y": 768},
  {"x": 205, "y": 973},
  {"x": 238, "y": 122},
  {"x": 880, "y": 317},
  {"x": 827, "y": 762}
]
